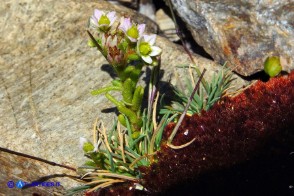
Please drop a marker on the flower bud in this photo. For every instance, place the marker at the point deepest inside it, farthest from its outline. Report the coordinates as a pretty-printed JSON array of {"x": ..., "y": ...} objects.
[
  {"x": 91, "y": 43},
  {"x": 272, "y": 66},
  {"x": 133, "y": 57},
  {"x": 86, "y": 145}
]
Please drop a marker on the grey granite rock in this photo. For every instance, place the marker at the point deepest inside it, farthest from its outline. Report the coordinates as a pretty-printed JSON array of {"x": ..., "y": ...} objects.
[
  {"x": 243, "y": 33},
  {"x": 47, "y": 72},
  {"x": 15, "y": 168}
]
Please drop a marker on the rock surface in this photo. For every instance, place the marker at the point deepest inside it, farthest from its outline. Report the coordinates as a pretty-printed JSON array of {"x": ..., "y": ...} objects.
[
  {"x": 242, "y": 33},
  {"x": 47, "y": 72},
  {"x": 15, "y": 168}
]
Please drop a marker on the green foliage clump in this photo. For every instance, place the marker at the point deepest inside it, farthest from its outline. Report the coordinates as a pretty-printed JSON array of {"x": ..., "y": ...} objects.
[{"x": 208, "y": 93}]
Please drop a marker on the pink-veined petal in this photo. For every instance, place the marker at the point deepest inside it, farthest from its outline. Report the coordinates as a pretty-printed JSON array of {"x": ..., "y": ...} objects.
[
  {"x": 155, "y": 51},
  {"x": 147, "y": 59},
  {"x": 118, "y": 58},
  {"x": 82, "y": 142},
  {"x": 138, "y": 44},
  {"x": 150, "y": 39},
  {"x": 122, "y": 26},
  {"x": 125, "y": 24},
  {"x": 109, "y": 59},
  {"x": 121, "y": 22},
  {"x": 111, "y": 16},
  {"x": 108, "y": 41},
  {"x": 132, "y": 39},
  {"x": 98, "y": 14},
  {"x": 141, "y": 29},
  {"x": 113, "y": 42},
  {"x": 103, "y": 40},
  {"x": 93, "y": 21},
  {"x": 128, "y": 23}
]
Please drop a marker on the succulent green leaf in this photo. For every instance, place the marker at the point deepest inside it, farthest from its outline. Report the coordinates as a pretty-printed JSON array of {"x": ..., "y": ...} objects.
[
  {"x": 137, "y": 99},
  {"x": 129, "y": 113},
  {"x": 122, "y": 120},
  {"x": 128, "y": 70},
  {"x": 117, "y": 83},
  {"x": 113, "y": 100},
  {"x": 128, "y": 91},
  {"x": 106, "y": 89},
  {"x": 135, "y": 74}
]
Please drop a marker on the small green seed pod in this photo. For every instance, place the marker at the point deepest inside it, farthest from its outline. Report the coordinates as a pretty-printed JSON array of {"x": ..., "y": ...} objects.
[{"x": 272, "y": 66}]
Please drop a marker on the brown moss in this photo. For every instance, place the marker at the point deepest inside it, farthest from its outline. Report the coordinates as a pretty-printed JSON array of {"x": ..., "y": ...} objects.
[{"x": 233, "y": 131}]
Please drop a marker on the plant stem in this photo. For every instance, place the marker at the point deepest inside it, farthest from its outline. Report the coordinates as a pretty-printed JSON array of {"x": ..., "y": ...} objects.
[{"x": 175, "y": 130}]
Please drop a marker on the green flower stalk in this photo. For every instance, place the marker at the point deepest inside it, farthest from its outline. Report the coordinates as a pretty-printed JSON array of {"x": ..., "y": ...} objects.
[{"x": 128, "y": 50}]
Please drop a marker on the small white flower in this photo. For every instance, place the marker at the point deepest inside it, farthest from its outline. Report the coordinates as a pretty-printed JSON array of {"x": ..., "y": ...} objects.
[
  {"x": 85, "y": 145},
  {"x": 146, "y": 48},
  {"x": 132, "y": 31},
  {"x": 101, "y": 20},
  {"x": 82, "y": 142}
]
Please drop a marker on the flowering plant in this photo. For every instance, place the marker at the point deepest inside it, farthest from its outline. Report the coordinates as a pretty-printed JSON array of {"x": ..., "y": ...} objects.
[
  {"x": 127, "y": 49},
  {"x": 115, "y": 156},
  {"x": 118, "y": 155}
]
